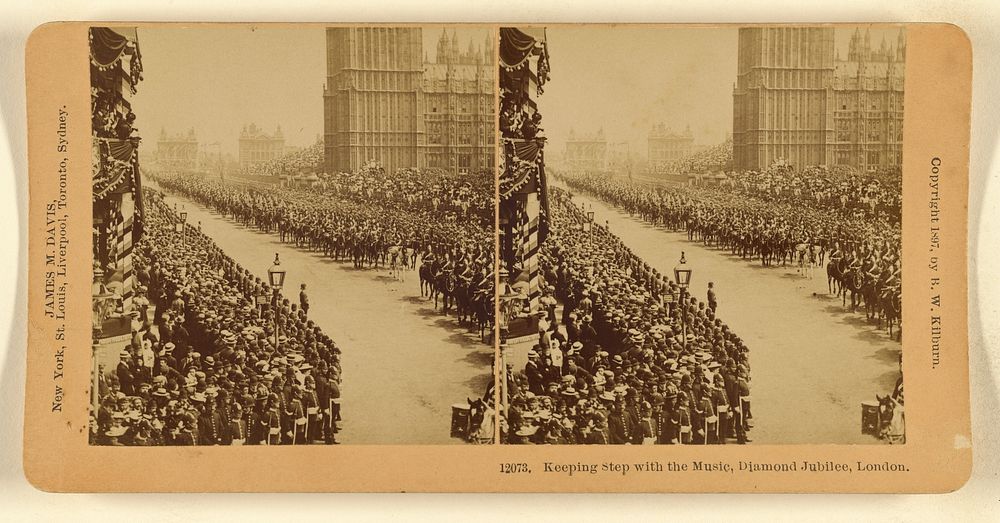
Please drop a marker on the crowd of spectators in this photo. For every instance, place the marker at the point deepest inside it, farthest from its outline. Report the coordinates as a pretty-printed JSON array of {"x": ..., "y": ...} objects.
[
  {"x": 216, "y": 357},
  {"x": 632, "y": 359}
]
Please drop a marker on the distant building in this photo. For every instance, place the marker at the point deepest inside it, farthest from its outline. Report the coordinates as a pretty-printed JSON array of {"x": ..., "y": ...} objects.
[
  {"x": 178, "y": 151},
  {"x": 666, "y": 146},
  {"x": 587, "y": 152},
  {"x": 619, "y": 158},
  {"x": 256, "y": 146},
  {"x": 797, "y": 102},
  {"x": 385, "y": 102},
  {"x": 458, "y": 107},
  {"x": 868, "y": 108}
]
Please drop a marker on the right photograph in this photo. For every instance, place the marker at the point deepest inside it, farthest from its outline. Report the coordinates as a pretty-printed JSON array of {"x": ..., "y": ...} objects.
[{"x": 700, "y": 234}]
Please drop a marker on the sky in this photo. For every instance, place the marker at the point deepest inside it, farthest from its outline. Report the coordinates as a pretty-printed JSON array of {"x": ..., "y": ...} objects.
[
  {"x": 216, "y": 79},
  {"x": 626, "y": 79}
]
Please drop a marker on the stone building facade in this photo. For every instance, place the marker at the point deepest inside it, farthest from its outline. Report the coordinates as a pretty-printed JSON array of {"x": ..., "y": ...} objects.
[
  {"x": 586, "y": 152},
  {"x": 177, "y": 151},
  {"x": 666, "y": 146},
  {"x": 256, "y": 146},
  {"x": 798, "y": 102},
  {"x": 386, "y": 102}
]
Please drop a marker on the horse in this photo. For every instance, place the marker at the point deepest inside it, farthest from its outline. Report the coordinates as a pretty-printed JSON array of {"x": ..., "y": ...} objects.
[
  {"x": 444, "y": 284},
  {"x": 426, "y": 278},
  {"x": 802, "y": 258},
  {"x": 482, "y": 307},
  {"x": 394, "y": 254},
  {"x": 891, "y": 305},
  {"x": 891, "y": 420},
  {"x": 463, "y": 299},
  {"x": 481, "y": 421},
  {"x": 851, "y": 280}
]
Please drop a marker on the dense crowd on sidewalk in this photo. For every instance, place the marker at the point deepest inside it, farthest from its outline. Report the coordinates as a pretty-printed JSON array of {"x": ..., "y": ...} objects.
[
  {"x": 632, "y": 359},
  {"x": 217, "y": 356}
]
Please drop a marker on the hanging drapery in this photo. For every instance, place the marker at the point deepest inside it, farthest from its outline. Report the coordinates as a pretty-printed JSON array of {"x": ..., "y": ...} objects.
[
  {"x": 107, "y": 50},
  {"x": 116, "y": 163},
  {"x": 106, "y": 47},
  {"x": 515, "y": 47},
  {"x": 520, "y": 167}
]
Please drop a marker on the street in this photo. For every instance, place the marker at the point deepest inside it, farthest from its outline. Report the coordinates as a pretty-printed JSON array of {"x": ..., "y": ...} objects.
[
  {"x": 812, "y": 361},
  {"x": 404, "y": 364}
]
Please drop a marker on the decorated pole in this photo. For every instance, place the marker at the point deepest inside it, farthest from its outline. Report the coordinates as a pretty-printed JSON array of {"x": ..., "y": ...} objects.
[{"x": 523, "y": 213}]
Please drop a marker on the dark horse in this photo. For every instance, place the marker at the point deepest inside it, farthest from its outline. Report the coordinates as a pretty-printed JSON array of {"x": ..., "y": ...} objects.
[
  {"x": 482, "y": 305},
  {"x": 444, "y": 285},
  {"x": 851, "y": 280},
  {"x": 891, "y": 305},
  {"x": 833, "y": 276},
  {"x": 463, "y": 299},
  {"x": 426, "y": 278}
]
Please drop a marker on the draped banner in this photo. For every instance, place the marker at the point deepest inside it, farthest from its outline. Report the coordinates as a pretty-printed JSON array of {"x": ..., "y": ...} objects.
[
  {"x": 106, "y": 47},
  {"x": 115, "y": 165},
  {"x": 515, "y": 47}
]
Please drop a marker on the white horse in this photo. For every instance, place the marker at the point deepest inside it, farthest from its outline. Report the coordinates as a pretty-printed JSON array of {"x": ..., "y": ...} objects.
[{"x": 395, "y": 254}]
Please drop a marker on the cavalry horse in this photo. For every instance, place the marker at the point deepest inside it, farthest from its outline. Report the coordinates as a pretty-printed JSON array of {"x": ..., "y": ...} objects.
[
  {"x": 851, "y": 281},
  {"x": 892, "y": 422},
  {"x": 463, "y": 298},
  {"x": 475, "y": 304},
  {"x": 803, "y": 259},
  {"x": 833, "y": 275},
  {"x": 871, "y": 290},
  {"x": 445, "y": 282},
  {"x": 891, "y": 307},
  {"x": 395, "y": 262},
  {"x": 426, "y": 274}
]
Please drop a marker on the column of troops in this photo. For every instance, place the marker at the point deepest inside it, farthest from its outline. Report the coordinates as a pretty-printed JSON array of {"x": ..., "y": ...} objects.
[
  {"x": 845, "y": 222},
  {"x": 375, "y": 220}
]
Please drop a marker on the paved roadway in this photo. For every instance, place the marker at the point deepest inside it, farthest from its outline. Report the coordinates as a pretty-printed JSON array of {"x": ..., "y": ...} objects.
[
  {"x": 404, "y": 364},
  {"x": 812, "y": 361}
]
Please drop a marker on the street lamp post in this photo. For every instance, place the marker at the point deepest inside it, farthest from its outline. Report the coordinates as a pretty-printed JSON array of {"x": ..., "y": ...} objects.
[
  {"x": 276, "y": 277},
  {"x": 507, "y": 297},
  {"x": 590, "y": 223},
  {"x": 180, "y": 225},
  {"x": 682, "y": 276}
]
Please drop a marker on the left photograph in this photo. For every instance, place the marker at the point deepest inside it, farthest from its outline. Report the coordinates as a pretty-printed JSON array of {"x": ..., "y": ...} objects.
[{"x": 293, "y": 235}]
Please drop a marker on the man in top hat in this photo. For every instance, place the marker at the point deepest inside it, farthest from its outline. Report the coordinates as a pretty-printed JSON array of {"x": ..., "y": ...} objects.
[
  {"x": 533, "y": 372},
  {"x": 126, "y": 378}
]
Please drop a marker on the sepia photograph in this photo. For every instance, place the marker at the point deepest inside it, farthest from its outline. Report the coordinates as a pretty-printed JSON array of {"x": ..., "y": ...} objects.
[
  {"x": 402, "y": 250},
  {"x": 700, "y": 235},
  {"x": 293, "y": 235}
]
